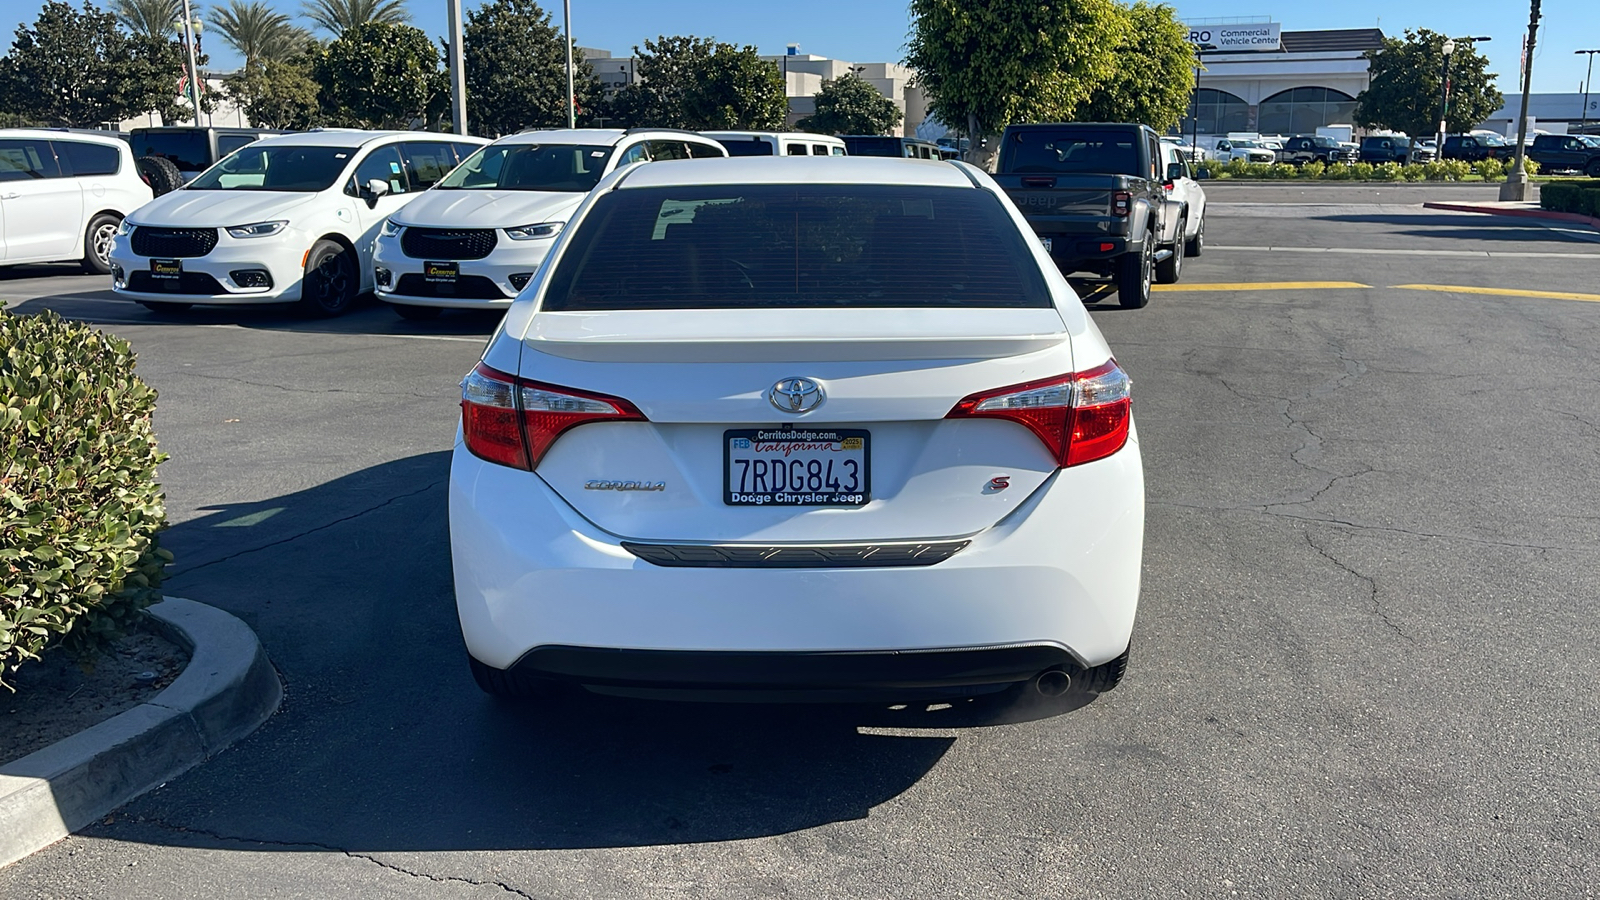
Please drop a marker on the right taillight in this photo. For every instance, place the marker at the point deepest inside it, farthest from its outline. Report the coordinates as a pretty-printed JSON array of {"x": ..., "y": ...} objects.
[
  {"x": 513, "y": 421},
  {"x": 1121, "y": 203},
  {"x": 1080, "y": 417}
]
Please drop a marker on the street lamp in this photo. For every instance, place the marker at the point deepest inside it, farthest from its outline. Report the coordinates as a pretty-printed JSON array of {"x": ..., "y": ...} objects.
[
  {"x": 1516, "y": 183},
  {"x": 1583, "y": 124},
  {"x": 191, "y": 27},
  {"x": 1194, "y": 142},
  {"x": 1444, "y": 88}
]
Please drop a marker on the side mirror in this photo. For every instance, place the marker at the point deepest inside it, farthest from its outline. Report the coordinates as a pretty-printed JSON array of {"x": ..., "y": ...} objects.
[
  {"x": 1174, "y": 171},
  {"x": 1224, "y": 147},
  {"x": 373, "y": 189}
]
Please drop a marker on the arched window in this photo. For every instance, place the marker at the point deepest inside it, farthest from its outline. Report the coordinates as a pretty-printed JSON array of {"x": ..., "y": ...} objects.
[
  {"x": 1303, "y": 110},
  {"x": 1219, "y": 112}
]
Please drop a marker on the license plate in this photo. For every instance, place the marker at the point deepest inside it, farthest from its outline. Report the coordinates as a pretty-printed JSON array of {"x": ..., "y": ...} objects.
[
  {"x": 166, "y": 269},
  {"x": 441, "y": 272},
  {"x": 796, "y": 467},
  {"x": 1049, "y": 244}
]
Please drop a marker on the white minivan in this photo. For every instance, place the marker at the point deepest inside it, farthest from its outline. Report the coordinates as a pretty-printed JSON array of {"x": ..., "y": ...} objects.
[
  {"x": 291, "y": 217},
  {"x": 63, "y": 195},
  {"x": 480, "y": 234},
  {"x": 777, "y": 143}
]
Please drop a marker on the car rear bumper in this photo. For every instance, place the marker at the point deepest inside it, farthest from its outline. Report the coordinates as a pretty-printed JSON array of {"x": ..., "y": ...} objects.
[{"x": 531, "y": 574}]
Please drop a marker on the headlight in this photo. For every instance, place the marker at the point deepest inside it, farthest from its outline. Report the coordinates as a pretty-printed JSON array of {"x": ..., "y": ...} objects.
[
  {"x": 124, "y": 228},
  {"x": 391, "y": 228},
  {"x": 259, "y": 229},
  {"x": 530, "y": 232}
]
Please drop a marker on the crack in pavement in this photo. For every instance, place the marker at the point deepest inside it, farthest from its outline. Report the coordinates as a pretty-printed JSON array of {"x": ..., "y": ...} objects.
[
  {"x": 294, "y": 390},
  {"x": 440, "y": 879},
  {"x": 295, "y": 537},
  {"x": 1371, "y": 582},
  {"x": 1267, "y": 510}
]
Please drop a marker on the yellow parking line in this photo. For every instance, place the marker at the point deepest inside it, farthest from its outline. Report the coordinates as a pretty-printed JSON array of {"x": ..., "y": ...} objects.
[
  {"x": 1502, "y": 292},
  {"x": 1262, "y": 286}
]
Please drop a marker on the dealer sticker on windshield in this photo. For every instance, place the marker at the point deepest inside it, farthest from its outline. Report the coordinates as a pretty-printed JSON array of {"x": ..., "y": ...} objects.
[{"x": 796, "y": 467}]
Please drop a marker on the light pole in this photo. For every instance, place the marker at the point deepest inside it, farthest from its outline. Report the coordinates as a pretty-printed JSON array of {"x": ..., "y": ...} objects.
[
  {"x": 1194, "y": 141},
  {"x": 1583, "y": 124},
  {"x": 458, "y": 74},
  {"x": 572, "y": 97},
  {"x": 1444, "y": 89},
  {"x": 1516, "y": 183},
  {"x": 190, "y": 26}
]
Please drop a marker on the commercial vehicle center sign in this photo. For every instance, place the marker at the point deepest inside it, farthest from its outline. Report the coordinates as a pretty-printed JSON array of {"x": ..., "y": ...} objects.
[{"x": 1254, "y": 36}]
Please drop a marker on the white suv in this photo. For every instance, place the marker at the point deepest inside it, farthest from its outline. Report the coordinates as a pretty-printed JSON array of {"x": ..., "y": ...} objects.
[
  {"x": 480, "y": 234},
  {"x": 797, "y": 428},
  {"x": 63, "y": 194},
  {"x": 286, "y": 218}
]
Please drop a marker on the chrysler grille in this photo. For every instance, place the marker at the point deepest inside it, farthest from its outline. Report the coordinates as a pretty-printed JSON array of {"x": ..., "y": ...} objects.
[
  {"x": 173, "y": 243},
  {"x": 447, "y": 243}
]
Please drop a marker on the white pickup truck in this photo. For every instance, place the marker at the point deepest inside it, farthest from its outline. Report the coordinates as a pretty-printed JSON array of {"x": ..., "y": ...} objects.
[{"x": 1247, "y": 149}]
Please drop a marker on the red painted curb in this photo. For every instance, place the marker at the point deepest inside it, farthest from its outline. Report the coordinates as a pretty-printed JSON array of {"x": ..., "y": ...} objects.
[{"x": 1590, "y": 221}]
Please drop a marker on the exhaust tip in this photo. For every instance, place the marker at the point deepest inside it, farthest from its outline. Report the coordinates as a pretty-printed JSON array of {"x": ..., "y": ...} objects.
[{"x": 1052, "y": 683}]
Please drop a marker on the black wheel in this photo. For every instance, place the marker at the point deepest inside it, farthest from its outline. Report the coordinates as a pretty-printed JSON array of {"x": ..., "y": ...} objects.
[
  {"x": 1106, "y": 676},
  {"x": 160, "y": 173},
  {"x": 1169, "y": 270},
  {"x": 1134, "y": 274},
  {"x": 159, "y": 306},
  {"x": 1594, "y": 169},
  {"x": 1196, "y": 245},
  {"x": 416, "y": 313},
  {"x": 97, "y": 244},
  {"x": 331, "y": 280},
  {"x": 513, "y": 686}
]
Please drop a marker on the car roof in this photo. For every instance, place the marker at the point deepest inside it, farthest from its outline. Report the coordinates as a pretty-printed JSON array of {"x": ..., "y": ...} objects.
[
  {"x": 352, "y": 137},
  {"x": 752, "y": 135},
  {"x": 605, "y": 137},
  {"x": 796, "y": 170},
  {"x": 61, "y": 134}
]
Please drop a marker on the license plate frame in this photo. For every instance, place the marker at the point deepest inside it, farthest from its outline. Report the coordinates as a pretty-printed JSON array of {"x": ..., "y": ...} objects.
[
  {"x": 167, "y": 273},
  {"x": 1049, "y": 244},
  {"x": 446, "y": 272},
  {"x": 859, "y": 494}
]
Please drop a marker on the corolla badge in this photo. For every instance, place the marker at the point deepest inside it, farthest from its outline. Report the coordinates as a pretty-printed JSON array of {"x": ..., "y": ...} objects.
[
  {"x": 606, "y": 485},
  {"x": 796, "y": 395}
]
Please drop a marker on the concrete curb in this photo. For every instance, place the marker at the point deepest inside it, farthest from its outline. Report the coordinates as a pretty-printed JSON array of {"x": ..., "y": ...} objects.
[
  {"x": 228, "y": 689},
  {"x": 1590, "y": 221}
]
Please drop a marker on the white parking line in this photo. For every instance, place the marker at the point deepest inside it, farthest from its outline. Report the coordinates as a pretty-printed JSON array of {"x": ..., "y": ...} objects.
[{"x": 1477, "y": 254}]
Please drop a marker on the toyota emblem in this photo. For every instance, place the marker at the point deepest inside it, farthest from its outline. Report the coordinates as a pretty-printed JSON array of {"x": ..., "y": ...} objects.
[{"x": 796, "y": 395}]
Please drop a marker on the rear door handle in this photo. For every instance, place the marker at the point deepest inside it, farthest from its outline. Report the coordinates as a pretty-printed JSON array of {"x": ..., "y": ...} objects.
[{"x": 11, "y": 196}]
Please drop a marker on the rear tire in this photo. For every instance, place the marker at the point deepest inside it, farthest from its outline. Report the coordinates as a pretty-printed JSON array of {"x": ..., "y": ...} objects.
[
  {"x": 1169, "y": 270},
  {"x": 160, "y": 173},
  {"x": 1594, "y": 169},
  {"x": 1135, "y": 271},
  {"x": 331, "y": 281},
  {"x": 1196, "y": 245},
  {"x": 97, "y": 244},
  {"x": 158, "y": 306},
  {"x": 416, "y": 313},
  {"x": 513, "y": 686}
]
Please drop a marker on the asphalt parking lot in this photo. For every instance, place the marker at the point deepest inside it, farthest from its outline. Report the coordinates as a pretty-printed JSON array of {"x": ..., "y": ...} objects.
[{"x": 1364, "y": 663}]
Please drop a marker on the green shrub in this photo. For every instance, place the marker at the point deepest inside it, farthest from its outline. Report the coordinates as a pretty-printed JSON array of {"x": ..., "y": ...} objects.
[
  {"x": 1282, "y": 170},
  {"x": 1389, "y": 171},
  {"x": 1337, "y": 172},
  {"x": 1490, "y": 169},
  {"x": 1581, "y": 197},
  {"x": 1361, "y": 171},
  {"x": 1313, "y": 169},
  {"x": 1529, "y": 166},
  {"x": 79, "y": 505},
  {"x": 1415, "y": 171}
]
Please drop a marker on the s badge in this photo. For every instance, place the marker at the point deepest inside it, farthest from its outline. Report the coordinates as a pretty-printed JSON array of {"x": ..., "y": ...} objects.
[{"x": 997, "y": 484}]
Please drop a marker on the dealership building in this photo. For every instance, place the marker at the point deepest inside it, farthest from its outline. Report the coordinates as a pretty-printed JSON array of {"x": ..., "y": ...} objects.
[{"x": 1260, "y": 78}]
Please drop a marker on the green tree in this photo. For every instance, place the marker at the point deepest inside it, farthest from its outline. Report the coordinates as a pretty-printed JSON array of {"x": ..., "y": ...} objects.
[
  {"x": 690, "y": 82},
  {"x": 277, "y": 93},
  {"x": 849, "y": 105},
  {"x": 987, "y": 63},
  {"x": 1404, "y": 90},
  {"x": 338, "y": 16},
  {"x": 517, "y": 72},
  {"x": 1157, "y": 90},
  {"x": 78, "y": 69},
  {"x": 378, "y": 75},
  {"x": 151, "y": 18},
  {"x": 258, "y": 32}
]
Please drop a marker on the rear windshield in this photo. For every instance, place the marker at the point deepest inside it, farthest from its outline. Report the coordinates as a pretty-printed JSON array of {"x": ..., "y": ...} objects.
[
  {"x": 1380, "y": 142},
  {"x": 814, "y": 246},
  {"x": 190, "y": 151},
  {"x": 561, "y": 168},
  {"x": 1075, "y": 152},
  {"x": 738, "y": 147},
  {"x": 276, "y": 168}
]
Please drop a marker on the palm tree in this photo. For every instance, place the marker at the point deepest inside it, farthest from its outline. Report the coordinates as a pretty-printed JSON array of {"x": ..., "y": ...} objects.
[
  {"x": 257, "y": 32},
  {"x": 149, "y": 18},
  {"x": 335, "y": 16}
]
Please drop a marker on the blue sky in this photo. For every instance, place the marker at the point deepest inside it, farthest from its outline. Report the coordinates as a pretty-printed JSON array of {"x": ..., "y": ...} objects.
[{"x": 875, "y": 30}]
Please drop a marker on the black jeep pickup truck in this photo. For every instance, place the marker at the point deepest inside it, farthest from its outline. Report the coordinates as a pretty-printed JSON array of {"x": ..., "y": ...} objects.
[
  {"x": 1566, "y": 153},
  {"x": 1094, "y": 193},
  {"x": 1302, "y": 149}
]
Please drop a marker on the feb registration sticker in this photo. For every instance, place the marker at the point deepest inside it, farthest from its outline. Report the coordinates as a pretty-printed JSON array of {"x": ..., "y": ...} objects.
[{"x": 795, "y": 467}]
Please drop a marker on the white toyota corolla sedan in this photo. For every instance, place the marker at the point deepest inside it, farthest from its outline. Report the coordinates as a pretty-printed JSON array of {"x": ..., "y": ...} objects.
[{"x": 803, "y": 428}]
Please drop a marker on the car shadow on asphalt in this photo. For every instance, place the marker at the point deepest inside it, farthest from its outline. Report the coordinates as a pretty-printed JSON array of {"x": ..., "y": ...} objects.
[
  {"x": 1454, "y": 227},
  {"x": 384, "y": 743}
]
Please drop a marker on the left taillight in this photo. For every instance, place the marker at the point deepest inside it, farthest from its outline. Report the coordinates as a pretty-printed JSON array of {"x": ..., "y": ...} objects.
[
  {"x": 512, "y": 421},
  {"x": 1080, "y": 417}
]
